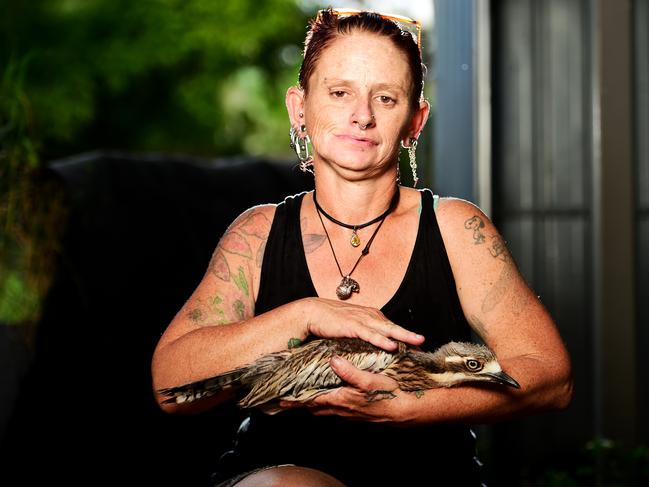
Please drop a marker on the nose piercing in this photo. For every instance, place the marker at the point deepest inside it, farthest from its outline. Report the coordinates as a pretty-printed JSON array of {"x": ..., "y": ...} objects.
[{"x": 364, "y": 126}]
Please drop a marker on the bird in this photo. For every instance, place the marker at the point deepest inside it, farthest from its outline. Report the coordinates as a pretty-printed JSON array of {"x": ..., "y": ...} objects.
[{"x": 304, "y": 372}]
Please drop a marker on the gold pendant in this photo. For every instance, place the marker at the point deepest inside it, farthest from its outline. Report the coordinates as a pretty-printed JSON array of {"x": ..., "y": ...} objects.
[{"x": 355, "y": 240}]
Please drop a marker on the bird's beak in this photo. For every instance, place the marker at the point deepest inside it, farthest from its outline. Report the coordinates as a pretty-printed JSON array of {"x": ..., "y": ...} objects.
[{"x": 503, "y": 378}]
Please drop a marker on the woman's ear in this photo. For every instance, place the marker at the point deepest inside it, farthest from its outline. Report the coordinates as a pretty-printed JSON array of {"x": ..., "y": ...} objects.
[
  {"x": 418, "y": 120},
  {"x": 295, "y": 105}
]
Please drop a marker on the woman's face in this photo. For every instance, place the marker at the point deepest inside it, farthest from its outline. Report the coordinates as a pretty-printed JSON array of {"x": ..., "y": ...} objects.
[{"x": 358, "y": 76}]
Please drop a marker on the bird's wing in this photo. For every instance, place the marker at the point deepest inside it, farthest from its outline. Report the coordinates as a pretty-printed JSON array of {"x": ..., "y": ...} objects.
[
  {"x": 243, "y": 376},
  {"x": 202, "y": 388},
  {"x": 307, "y": 373}
]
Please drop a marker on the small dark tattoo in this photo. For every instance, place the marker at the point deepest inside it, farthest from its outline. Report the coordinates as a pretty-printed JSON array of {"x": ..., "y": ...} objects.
[
  {"x": 378, "y": 395},
  {"x": 475, "y": 223},
  {"x": 312, "y": 242},
  {"x": 419, "y": 394},
  {"x": 499, "y": 249},
  {"x": 239, "y": 309},
  {"x": 294, "y": 343},
  {"x": 196, "y": 315}
]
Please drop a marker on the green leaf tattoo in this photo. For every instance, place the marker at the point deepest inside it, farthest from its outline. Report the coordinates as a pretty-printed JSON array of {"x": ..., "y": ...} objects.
[
  {"x": 241, "y": 282},
  {"x": 239, "y": 309},
  {"x": 294, "y": 343},
  {"x": 419, "y": 394}
]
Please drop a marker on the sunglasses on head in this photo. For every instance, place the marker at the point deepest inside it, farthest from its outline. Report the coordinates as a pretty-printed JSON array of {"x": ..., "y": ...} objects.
[{"x": 406, "y": 24}]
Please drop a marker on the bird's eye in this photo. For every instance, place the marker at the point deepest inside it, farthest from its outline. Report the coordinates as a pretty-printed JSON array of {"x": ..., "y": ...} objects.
[{"x": 473, "y": 365}]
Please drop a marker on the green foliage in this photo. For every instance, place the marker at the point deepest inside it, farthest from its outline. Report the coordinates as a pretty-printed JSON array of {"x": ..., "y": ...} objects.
[
  {"x": 194, "y": 76},
  {"x": 601, "y": 463},
  {"x": 204, "y": 77},
  {"x": 30, "y": 209}
]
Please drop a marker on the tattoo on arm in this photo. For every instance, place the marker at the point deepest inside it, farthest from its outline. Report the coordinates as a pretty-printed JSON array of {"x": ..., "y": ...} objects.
[
  {"x": 241, "y": 282},
  {"x": 207, "y": 313},
  {"x": 499, "y": 250},
  {"x": 378, "y": 395},
  {"x": 294, "y": 343},
  {"x": 260, "y": 253},
  {"x": 312, "y": 241},
  {"x": 256, "y": 225},
  {"x": 476, "y": 224},
  {"x": 219, "y": 266},
  {"x": 234, "y": 243},
  {"x": 239, "y": 309},
  {"x": 499, "y": 289},
  {"x": 419, "y": 394}
]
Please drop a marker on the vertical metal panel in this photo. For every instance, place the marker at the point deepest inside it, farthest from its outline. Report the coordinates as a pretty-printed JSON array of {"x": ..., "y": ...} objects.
[
  {"x": 641, "y": 16},
  {"x": 560, "y": 84},
  {"x": 482, "y": 104},
  {"x": 613, "y": 221},
  {"x": 541, "y": 199},
  {"x": 454, "y": 147}
]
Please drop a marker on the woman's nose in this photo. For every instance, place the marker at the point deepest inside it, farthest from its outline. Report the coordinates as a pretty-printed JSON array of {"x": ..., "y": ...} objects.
[{"x": 362, "y": 115}]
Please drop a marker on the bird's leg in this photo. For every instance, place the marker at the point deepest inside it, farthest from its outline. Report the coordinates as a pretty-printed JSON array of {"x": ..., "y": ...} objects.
[{"x": 379, "y": 395}]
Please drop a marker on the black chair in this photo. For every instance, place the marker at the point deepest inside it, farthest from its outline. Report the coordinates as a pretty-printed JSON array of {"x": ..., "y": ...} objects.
[{"x": 140, "y": 234}]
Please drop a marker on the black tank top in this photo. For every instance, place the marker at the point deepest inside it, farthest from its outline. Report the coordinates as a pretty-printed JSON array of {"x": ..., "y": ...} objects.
[{"x": 360, "y": 453}]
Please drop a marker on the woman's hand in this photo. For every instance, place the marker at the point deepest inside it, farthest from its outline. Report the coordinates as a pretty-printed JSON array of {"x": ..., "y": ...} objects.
[
  {"x": 366, "y": 396},
  {"x": 327, "y": 318}
]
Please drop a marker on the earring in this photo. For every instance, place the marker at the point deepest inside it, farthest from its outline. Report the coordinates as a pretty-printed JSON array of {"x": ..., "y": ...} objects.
[
  {"x": 413, "y": 159},
  {"x": 398, "y": 179},
  {"x": 301, "y": 148}
]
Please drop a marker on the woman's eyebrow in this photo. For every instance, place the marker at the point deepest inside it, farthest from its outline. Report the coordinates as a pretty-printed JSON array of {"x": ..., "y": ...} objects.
[
  {"x": 378, "y": 86},
  {"x": 337, "y": 81}
]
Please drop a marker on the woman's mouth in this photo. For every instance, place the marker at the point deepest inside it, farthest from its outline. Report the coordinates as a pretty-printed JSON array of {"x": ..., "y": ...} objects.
[{"x": 356, "y": 140}]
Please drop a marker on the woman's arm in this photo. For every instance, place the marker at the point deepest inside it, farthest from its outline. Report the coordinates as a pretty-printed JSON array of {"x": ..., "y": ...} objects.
[
  {"x": 217, "y": 330},
  {"x": 508, "y": 316}
]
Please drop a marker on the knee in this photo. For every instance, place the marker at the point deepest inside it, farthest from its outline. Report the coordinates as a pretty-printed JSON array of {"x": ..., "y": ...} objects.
[{"x": 290, "y": 476}]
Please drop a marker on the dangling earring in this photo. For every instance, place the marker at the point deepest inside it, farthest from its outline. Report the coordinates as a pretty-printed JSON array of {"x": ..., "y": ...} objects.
[
  {"x": 301, "y": 147},
  {"x": 413, "y": 159}
]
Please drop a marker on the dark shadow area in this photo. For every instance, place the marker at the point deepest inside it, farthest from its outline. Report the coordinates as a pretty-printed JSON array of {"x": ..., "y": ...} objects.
[{"x": 140, "y": 233}]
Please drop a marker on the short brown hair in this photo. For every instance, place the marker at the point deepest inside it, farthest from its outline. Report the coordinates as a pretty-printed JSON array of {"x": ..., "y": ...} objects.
[{"x": 327, "y": 25}]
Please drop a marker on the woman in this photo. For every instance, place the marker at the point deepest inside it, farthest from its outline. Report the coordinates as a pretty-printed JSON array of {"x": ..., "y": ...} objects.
[{"x": 436, "y": 268}]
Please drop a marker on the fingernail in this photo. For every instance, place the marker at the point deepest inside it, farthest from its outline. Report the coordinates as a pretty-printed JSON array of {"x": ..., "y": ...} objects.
[{"x": 336, "y": 360}]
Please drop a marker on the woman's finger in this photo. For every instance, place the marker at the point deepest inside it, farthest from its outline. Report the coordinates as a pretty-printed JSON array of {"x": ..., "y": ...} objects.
[{"x": 397, "y": 332}]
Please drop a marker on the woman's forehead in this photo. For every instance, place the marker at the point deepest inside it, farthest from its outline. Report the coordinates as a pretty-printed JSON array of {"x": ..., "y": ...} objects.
[{"x": 360, "y": 55}]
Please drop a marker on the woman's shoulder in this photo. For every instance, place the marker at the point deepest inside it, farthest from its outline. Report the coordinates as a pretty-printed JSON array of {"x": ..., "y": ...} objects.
[
  {"x": 462, "y": 222},
  {"x": 452, "y": 208},
  {"x": 257, "y": 219}
]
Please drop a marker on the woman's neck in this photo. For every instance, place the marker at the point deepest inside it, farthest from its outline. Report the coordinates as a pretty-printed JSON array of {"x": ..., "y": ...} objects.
[{"x": 354, "y": 202}]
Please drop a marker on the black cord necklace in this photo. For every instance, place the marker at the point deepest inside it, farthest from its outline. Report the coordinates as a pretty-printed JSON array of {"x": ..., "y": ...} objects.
[
  {"x": 355, "y": 239},
  {"x": 348, "y": 285}
]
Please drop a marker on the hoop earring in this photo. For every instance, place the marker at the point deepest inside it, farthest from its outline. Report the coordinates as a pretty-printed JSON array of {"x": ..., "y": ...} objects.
[
  {"x": 301, "y": 148},
  {"x": 412, "y": 148}
]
